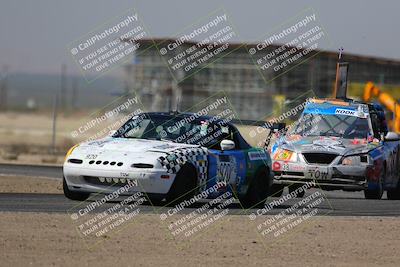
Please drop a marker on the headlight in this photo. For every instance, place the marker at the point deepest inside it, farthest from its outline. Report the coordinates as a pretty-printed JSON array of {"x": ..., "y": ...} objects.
[
  {"x": 70, "y": 152},
  {"x": 285, "y": 155},
  {"x": 355, "y": 160}
]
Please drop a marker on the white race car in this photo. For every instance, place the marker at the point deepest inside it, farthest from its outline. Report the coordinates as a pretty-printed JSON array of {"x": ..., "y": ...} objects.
[{"x": 169, "y": 156}]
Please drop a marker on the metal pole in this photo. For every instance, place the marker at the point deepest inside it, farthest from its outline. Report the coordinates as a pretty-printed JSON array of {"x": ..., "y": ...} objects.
[
  {"x": 63, "y": 87},
  {"x": 3, "y": 88},
  {"x": 55, "y": 110}
]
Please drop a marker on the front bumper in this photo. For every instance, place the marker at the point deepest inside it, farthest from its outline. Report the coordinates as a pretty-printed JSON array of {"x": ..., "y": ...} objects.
[
  {"x": 350, "y": 178},
  {"x": 101, "y": 180}
]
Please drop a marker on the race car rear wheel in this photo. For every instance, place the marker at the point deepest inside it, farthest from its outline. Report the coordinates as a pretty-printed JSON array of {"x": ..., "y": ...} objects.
[
  {"x": 377, "y": 192},
  {"x": 184, "y": 184},
  {"x": 258, "y": 190},
  {"x": 394, "y": 194},
  {"x": 74, "y": 195}
]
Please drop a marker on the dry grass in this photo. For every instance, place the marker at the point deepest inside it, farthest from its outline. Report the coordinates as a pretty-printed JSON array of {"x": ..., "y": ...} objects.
[{"x": 27, "y": 137}]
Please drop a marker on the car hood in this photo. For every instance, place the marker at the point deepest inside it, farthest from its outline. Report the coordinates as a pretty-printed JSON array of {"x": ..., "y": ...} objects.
[
  {"x": 131, "y": 145},
  {"x": 321, "y": 144},
  {"x": 120, "y": 149}
]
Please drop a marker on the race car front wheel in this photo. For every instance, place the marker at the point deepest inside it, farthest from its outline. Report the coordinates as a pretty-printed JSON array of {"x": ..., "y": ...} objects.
[
  {"x": 74, "y": 195},
  {"x": 258, "y": 190},
  {"x": 377, "y": 192},
  {"x": 183, "y": 187}
]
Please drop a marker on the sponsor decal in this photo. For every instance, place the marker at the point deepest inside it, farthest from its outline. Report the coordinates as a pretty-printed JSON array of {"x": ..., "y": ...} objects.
[
  {"x": 257, "y": 155},
  {"x": 99, "y": 143},
  {"x": 276, "y": 166},
  {"x": 355, "y": 113},
  {"x": 226, "y": 170},
  {"x": 164, "y": 147},
  {"x": 293, "y": 167},
  {"x": 342, "y": 111},
  {"x": 285, "y": 167},
  {"x": 283, "y": 155}
]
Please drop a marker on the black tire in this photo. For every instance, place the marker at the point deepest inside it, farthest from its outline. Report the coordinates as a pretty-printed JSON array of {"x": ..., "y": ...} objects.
[
  {"x": 394, "y": 194},
  {"x": 276, "y": 190},
  {"x": 74, "y": 195},
  {"x": 376, "y": 193},
  {"x": 183, "y": 186},
  {"x": 294, "y": 187},
  {"x": 258, "y": 190}
]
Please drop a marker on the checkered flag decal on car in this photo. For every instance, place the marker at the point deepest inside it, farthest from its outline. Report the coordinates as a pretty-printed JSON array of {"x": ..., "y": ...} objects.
[{"x": 177, "y": 158}]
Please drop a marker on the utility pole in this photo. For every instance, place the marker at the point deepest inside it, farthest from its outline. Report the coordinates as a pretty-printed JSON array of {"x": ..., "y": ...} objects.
[
  {"x": 63, "y": 87},
  {"x": 57, "y": 94},
  {"x": 74, "y": 96},
  {"x": 3, "y": 88},
  {"x": 55, "y": 110}
]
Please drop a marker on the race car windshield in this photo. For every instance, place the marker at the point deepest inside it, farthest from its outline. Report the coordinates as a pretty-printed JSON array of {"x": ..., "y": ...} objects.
[
  {"x": 343, "y": 126},
  {"x": 175, "y": 129}
]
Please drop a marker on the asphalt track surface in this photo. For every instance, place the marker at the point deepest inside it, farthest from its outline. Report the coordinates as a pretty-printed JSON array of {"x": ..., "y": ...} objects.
[{"x": 334, "y": 203}]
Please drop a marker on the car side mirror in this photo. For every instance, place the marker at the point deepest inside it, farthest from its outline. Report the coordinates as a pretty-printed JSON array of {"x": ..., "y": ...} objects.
[
  {"x": 392, "y": 136},
  {"x": 227, "y": 144}
]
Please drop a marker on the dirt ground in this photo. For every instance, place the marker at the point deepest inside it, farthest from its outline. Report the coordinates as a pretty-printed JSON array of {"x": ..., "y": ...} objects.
[
  {"x": 23, "y": 184},
  {"x": 41, "y": 239},
  {"x": 50, "y": 239}
]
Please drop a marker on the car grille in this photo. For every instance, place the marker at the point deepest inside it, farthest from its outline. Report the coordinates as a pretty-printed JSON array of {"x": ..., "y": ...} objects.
[
  {"x": 142, "y": 165},
  {"x": 105, "y": 181},
  {"x": 106, "y": 162},
  {"x": 319, "y": 158}
]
